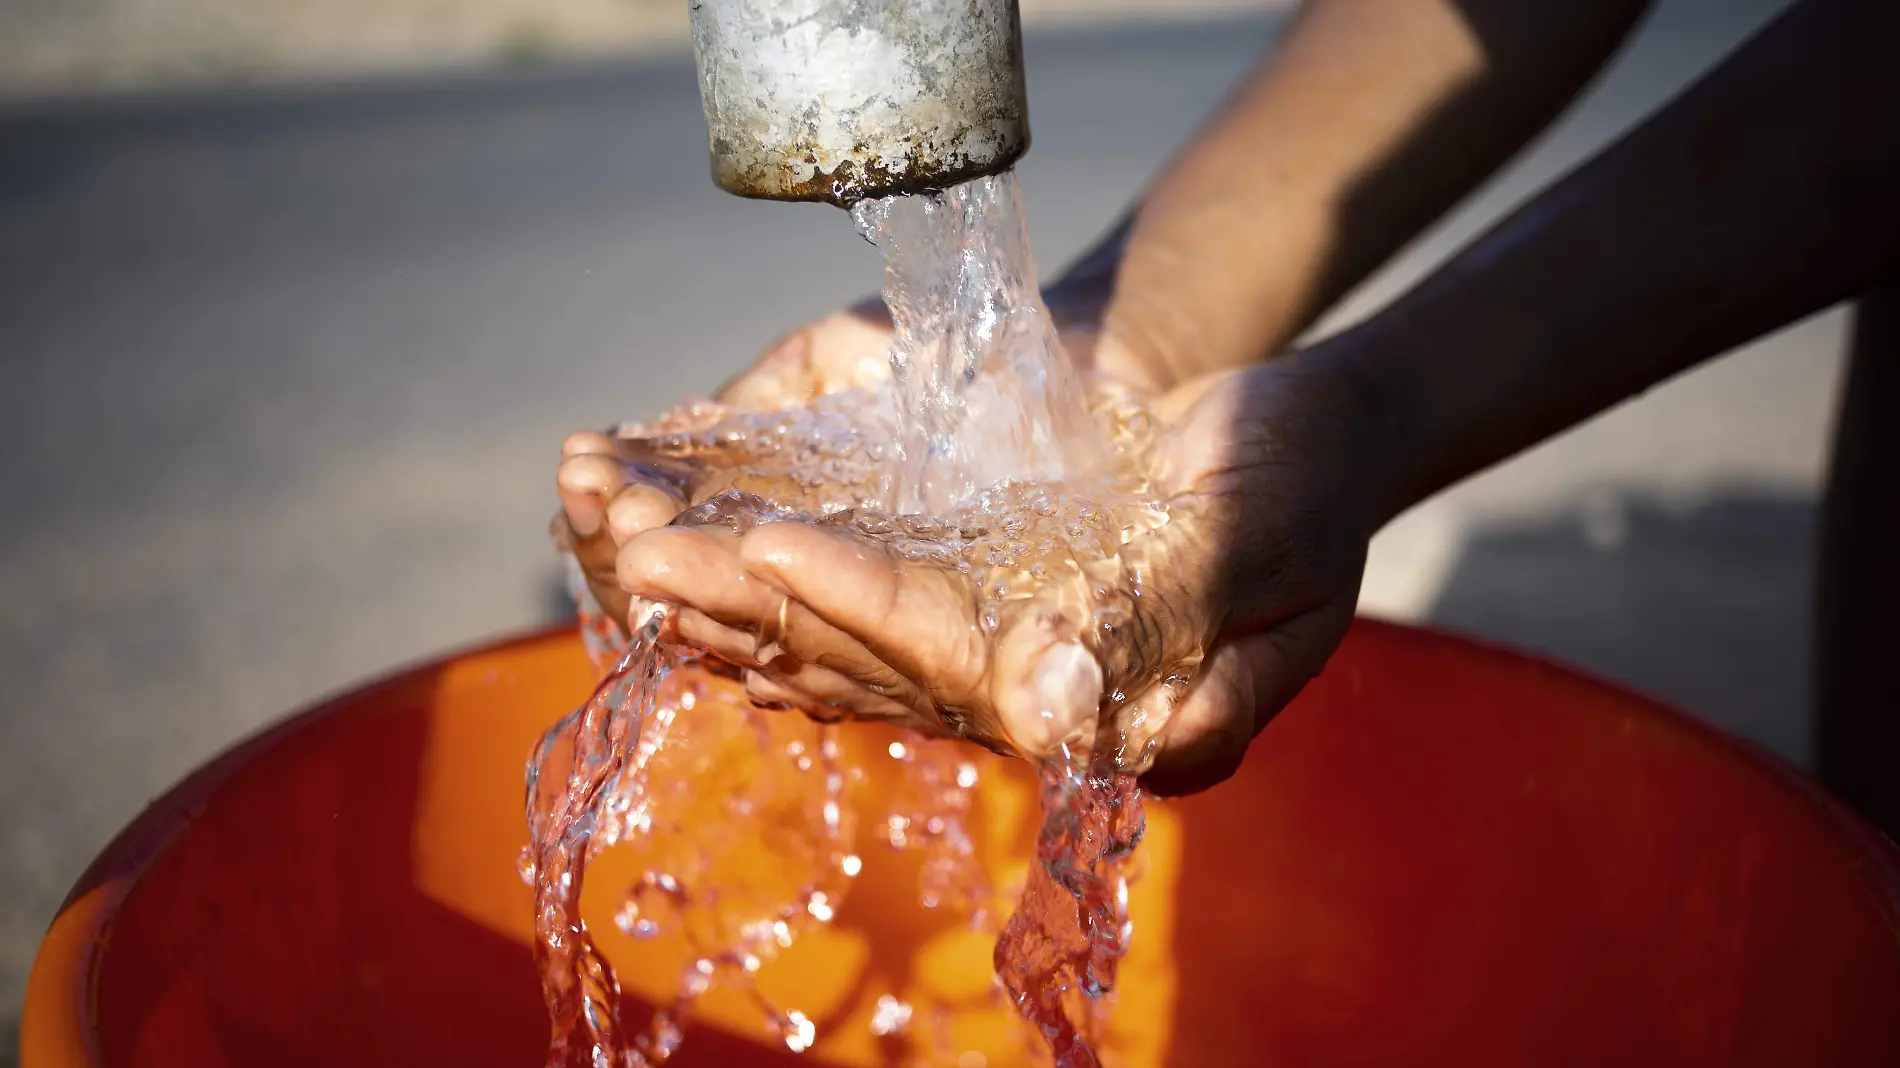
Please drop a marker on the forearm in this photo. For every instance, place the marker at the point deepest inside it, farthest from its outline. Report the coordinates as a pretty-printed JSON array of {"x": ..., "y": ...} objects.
[
  {"x": 1369, "y": 120},
  {"x": 1767, "y": 192}
]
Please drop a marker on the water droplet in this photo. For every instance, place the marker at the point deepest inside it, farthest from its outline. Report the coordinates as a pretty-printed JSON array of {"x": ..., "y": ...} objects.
[
  {"x": 820, "y": 907},
  {"x": 799, "y": 1032},
  {"x": 891, "y": 1017},
  {"x": 667, "y": 1036}
]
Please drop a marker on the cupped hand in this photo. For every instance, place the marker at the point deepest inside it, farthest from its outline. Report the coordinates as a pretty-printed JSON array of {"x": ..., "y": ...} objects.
[
  {"x": 1272, "y": 476},
  {"x": 608, "y": 490}
]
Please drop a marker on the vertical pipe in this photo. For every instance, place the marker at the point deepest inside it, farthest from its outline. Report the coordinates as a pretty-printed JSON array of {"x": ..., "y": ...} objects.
[{"x": 839, "y": 100}]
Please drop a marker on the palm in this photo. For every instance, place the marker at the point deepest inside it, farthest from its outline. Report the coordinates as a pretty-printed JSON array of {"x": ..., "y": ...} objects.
[
  {"x": 604, "y": 498},
  {"x": 1262, "y": 504}
]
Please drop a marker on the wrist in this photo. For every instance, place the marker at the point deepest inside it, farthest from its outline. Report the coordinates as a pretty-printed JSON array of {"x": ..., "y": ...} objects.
[
  {"x": 1100, "y": 326},
  {"x": 1384, "y": 438},
  {"x": 1082, "y": 307}
]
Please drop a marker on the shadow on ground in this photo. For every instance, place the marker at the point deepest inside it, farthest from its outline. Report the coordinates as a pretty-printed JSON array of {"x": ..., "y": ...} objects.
[{"x": 1703, "y": 604}]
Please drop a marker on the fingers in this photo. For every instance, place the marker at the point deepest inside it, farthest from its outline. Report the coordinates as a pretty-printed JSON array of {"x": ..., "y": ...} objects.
[
  {"x": 747, "y": 620},
  {"x": 832, "y": 620},
  {"x": 1208, "y": 732},
  {"x": 825, "y": 694},
  {"x": 731, "y": 644},
  {"x": 915, "y": 619},
  {"x": 696, "y": 567},
  {"x": 846, "y": 350},
  {"x": 781, "y": 378},
  {"x": 585, "y": 482},
  {"x": 1036, "y": 689},
  {"x": 602, "y": 507},
  {"x": 762, "y": 691},
  {"x": 1242, "y": 685},
  {"x": 639, "y": 507},
  {"x": 586, "y": 443},
  {"x": 597, "y": 494},
  {"x": 609, "y": 495}
]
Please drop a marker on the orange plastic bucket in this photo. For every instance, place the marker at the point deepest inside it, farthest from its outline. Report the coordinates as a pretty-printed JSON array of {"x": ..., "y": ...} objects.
[{"x": 1442, "y": 854}]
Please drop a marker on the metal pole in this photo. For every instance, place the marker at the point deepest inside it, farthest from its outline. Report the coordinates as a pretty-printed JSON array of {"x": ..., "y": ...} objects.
[{"x": 838, "y": 100}]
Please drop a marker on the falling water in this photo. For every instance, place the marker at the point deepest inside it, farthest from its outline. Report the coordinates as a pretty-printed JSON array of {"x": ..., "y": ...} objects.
[{"x": 984, "y": 454}]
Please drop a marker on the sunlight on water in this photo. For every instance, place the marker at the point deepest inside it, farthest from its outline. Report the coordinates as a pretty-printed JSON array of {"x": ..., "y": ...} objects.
[{"x": 984, "y": 455}]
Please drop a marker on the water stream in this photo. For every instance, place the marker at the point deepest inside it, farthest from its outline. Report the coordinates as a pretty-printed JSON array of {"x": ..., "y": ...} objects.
[{"x": 984, "y": 455}]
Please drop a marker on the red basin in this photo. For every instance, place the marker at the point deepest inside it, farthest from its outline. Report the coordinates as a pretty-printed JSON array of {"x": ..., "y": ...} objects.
[{"x": 1442, "y": 854}]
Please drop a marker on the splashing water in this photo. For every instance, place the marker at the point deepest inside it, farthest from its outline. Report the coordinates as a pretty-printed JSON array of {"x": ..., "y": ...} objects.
[
  {"x": 984, "y": 392},
  {"x": 668, "y": 755},
  {"x": 984, "y": 454}
]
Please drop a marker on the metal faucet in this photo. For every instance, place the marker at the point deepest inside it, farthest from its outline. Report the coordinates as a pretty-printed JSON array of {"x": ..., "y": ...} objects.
[{"x": 839, "y": 100}]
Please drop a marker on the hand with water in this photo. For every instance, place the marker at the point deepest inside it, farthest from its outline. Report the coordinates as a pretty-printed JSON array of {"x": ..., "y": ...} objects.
[
  {"x": 607, "y": 495},
  {"x": 1269, "y": 477}
]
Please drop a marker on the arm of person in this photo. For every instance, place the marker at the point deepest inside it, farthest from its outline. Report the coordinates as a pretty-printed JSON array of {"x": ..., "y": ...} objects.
[
  {"x": 1368, "y": 121},
  {"x": 1765, "y": 193}
]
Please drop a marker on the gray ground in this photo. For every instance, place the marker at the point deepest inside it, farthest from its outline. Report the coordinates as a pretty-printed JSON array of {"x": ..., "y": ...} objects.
[{"x": 282, "y": 377}]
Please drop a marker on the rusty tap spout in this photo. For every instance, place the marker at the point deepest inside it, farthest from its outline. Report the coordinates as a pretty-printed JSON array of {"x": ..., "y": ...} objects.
[{"x": 839, "y": 100}]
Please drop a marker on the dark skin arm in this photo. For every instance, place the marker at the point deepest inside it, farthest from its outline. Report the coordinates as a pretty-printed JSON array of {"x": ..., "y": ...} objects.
[
  {"x": 1368, "y": 122},
  {"x": 1767, "y": 192},
  {"x": 1764, "y": 193},
  {"x": 1761, "y": 195}
]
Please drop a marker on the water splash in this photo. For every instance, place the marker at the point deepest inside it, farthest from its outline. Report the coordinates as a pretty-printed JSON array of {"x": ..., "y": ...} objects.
[
  {"x": 669, "y": 757},
  {"x": 1059, "y": 953},
  {"x": 983, "y": 455},
  {"x": 982, "y": 385}
]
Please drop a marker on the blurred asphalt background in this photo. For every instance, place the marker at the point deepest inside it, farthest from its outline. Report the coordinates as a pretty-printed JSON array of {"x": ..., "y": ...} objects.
[{"x": 283, "y": 373}]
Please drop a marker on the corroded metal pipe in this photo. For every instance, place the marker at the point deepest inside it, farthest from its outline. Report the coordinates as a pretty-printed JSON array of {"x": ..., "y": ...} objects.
[{"x": 838, "y": 100}]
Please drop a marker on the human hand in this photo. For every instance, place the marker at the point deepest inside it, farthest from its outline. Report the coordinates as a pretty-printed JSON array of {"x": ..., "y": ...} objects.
[
  {"x": 609, "y": 491},
  {"x": 1272, "y": 476}
]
